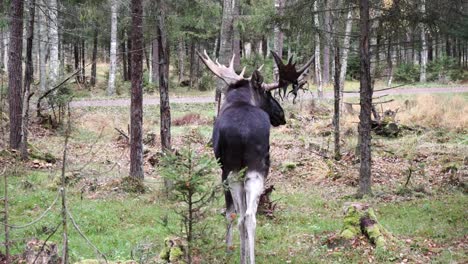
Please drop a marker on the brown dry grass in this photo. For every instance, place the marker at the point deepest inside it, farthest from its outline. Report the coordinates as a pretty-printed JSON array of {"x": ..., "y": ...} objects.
[
  {"x": 431, "y": 111},
  {"x": 437, "y": 112}
]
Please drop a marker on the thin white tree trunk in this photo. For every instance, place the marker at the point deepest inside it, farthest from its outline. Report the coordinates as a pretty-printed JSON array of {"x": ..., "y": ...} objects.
[
  {"x": 247, "y": 49},
  {"x": 43, "y": 41},
  {"x": 54, "y": 42},
  {"x": 318, "y": 69},
  {"x": 181, "y": 58},
  {"x": 344, "y": 56},
  {"x": 278, "y": 38},
  {"x": 113, "y": 49},
  {"x": 5, "y": 48},
  {"x": 150, "y": 70},
  {"x": 422, "y": 74}
]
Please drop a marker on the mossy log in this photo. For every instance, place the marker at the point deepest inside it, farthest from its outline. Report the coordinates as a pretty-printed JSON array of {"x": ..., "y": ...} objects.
[
  {"x": 173, "y": 252},
  {"x": 360, "y": 219}
]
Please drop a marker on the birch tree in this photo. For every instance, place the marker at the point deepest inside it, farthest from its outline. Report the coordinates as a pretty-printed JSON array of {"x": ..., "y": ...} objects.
[
  {"x": 54, "y": 42},
  {"x": 278, "y": 38},
  {"x": 318, "y": 68},
  {"x": 43, "y": 43},
  {"x": 346, "y": 46},
  {"x": 423, "y": 66},
  {"x": 113, "y": 48}
]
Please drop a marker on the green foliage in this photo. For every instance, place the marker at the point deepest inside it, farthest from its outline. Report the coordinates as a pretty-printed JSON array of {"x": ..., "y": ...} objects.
[
  {"x": 407, "y": 73},
  {"x": 353, "y": 69},
  {"x": 193, "y": 188},
  {"x": 444, "y": 69}
]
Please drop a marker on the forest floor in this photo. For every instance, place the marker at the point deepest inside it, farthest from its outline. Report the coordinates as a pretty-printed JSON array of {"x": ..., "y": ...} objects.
[
  {"x": 209, "y": 98},
  {"x": 419, "y": 183}
]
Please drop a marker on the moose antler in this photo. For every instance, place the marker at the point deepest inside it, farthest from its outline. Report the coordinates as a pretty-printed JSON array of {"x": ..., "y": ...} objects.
[
  {"x": 227, "y": 74},
  {"x": 287, "y": 73}
]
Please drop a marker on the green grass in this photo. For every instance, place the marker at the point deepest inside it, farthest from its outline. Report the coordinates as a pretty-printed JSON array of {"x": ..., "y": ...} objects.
[{"x": 119, "y": 223}]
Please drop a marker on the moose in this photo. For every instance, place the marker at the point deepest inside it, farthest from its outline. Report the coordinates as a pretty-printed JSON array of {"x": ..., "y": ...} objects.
[{"x": 241, "y": 142}]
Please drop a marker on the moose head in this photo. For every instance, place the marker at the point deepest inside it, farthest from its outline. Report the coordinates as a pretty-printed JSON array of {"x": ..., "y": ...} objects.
[{"x": 254, "y": 89}]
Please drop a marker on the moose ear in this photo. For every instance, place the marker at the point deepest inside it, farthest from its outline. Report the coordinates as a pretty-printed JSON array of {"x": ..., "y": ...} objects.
[{"x": 256, "y": 80}]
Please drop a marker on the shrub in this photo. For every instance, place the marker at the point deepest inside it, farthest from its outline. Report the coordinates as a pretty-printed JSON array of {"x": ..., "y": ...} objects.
[
  {"x": 193, "y": 188},
  {"x": 407, "y": 73}
]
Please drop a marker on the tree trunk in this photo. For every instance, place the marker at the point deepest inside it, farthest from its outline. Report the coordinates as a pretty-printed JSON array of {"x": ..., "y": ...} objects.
[
  {"x": 155, "y": 62},
  {"x": 278, "y": 38},
  {"x": 336, "y": 116},
  {"x": 181, "y": 58},
  {"x": 15, "y": 72},
  {"x": 422, "y": 73},
  {"x": 129, "y": 55},
  {"x": 76, "y": 56},
  {"x": 2, "y": 44},
  {"x": 113, "y": 48},
  {"x": 236, "y": 39},
  {"x": 390, "y": 63},
  {"x": 28, "y": 78},
  {"x": 318, "y": 68},
  {"x": 54, "y": 42},
  {"x": 226, "y": 42},
  {"x": 365, "y": 101},
  {"x": 136, "y": 110},
  {"x": 192, "y": 63},
  {"x": 346, "y": 45},
  {"x": 123, "y": 48},
  {"x": 327, "y": 42},
  {"x": 42, "y": 50},
  {"x": 93, "y": 67},
  {"x": 83, "y": 62},
  {"x": 164, "y": 79}
]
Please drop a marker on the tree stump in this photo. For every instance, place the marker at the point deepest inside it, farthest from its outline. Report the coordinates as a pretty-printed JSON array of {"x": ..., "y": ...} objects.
[
  {"x": 48, "y": 252},
  {"x": 361, "y": 219}
]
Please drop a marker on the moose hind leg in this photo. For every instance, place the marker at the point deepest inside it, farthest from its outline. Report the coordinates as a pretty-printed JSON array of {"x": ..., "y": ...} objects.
[
  {"x": 230, "y": 217},
  {"x": 236, "y": 187},
  {"x": 254, "y": 188}
]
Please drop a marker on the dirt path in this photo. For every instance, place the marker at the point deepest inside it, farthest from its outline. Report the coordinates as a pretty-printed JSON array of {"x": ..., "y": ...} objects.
[{"x": 205, "y": 99}]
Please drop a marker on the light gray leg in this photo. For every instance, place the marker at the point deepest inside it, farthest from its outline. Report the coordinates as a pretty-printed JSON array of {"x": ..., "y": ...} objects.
[
  {"x": 238, "y": 196},
  {"x": 230, "y": 217},
  {"x": 254, "y": 188}
]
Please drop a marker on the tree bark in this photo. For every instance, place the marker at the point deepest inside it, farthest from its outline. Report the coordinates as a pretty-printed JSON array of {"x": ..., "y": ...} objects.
[
  {"x": 83, "y": 62},
  {"x": 54, "y": 42},
  {"x": 278, "y": 38},
  {"x": 129, "y": 55},
  {"x": 365, "y": 101},
  {"x": 327, "y": 42},
  {"x": 318, "y": 68},
  {"x": 113, "y": 48},
  {"x": 423, "y": 66},
  {"x": 76, "y": 56},
  {"x": 236, "y": 39},
  {"x": 94, "y": 59},
  {"x": 336, "y": 116},
  {"x": 28, "y": 78},
  {"x": 136, "y": 110},
  {"x": 181, "y": 58},
  {"x": 2, "y": 46},
  {"x": 15, "y": 72},
  {"x": 192, "y": 63},
  {"x": 346, "y": 45},
  {"x": 226, "y": 42},
  {"x": 155, "y": 62},
  {"x": 123, "y": 51},
  {"x": 43, "y": 41},
  {"x": 164, "y": 79}
]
